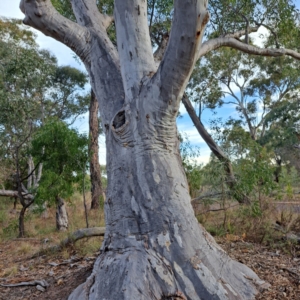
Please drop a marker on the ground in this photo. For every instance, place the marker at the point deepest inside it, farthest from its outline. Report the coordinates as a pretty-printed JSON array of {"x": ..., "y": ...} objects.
[
  {"x": 249, "y": 238},
  {"x": 64, "y": 271}
]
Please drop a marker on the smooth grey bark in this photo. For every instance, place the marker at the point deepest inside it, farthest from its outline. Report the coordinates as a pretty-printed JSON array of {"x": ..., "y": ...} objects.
[
  {"x": 154, "y": 247},
  {"x": 61, "y": 215},
  {"x": 95, "y": 170}
]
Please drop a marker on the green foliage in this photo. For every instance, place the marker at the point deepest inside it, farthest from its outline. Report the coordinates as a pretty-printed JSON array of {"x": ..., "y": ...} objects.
[
  {"x": 192, "y": 169},
  {"x": 11, "y": 229},
  {"x": 32, "y": 88},
  {"x": 64, "y": 155},
  {"x": 288, "y": 181}
]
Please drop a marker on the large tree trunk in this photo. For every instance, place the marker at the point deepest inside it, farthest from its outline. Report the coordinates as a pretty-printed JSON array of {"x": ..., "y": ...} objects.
[
  {"x": 61, "y": 215},
  {"x": 154, "y": 247},
  {"x": 95, "y": 171}
]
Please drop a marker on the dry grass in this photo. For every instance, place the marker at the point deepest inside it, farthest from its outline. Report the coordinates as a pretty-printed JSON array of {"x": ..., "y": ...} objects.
[
  {"x": 255, "y": 223},
  {"x": 9, "y": 272},
  {"x": 42, "y": 228}
]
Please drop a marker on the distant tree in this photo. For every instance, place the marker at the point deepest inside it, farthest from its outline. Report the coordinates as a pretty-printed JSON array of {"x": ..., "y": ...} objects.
[
  {"x": 64, "y": 155},
  {"x": 32, "y": 89},
  {"x": 97, "y": 192}
]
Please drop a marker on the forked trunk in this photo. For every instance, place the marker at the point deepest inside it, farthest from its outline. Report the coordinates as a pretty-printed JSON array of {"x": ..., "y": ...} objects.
[{"x": 154, "y": 247}]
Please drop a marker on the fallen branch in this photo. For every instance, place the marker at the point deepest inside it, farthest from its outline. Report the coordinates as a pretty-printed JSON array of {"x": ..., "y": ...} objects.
[
  {"x": 291, "y": 272},
  {"x": 42, "y": 283},
  {"x": 14, "y": 194},
  {"x": 219, "y": 209},
  {"x": 208, "y": 196},
  {"x": 75, "y": 236},
  {"x": 287, "y": 235}
]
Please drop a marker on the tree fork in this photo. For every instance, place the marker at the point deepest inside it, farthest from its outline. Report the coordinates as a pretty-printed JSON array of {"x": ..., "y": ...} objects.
[{"x": 153, "y": 247}]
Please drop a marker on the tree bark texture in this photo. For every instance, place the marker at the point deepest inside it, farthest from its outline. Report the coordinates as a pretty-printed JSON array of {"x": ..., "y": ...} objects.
[
  {"x": 95, "y": 170},
  {"x": 153, "y": 247},
  {"x": 61, "y": 215}
]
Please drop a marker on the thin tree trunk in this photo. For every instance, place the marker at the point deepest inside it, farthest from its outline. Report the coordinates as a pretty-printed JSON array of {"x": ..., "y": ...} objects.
[
  {"x": 15, "y": 202},
  {"x": 84, "y": 200},
  {"x": 61, "y": 215},
  {"x": 21, "y": 222},
  {"x": 216, "y": 150},
  {"x": 95, "y": 170}
]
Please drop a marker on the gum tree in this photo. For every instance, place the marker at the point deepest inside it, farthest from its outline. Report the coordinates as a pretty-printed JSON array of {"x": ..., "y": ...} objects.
[{"x": 154, "y": 247}]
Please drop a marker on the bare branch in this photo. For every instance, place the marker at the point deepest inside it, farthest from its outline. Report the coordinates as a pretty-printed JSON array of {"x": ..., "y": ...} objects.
[
  {"x": 236, "y": 44},
  {"x": 73, "y": 237},
  {"x": 42, "y": 283},
  {"x": 185, "y": 39},
  {"x": 41, "y": 15},
  {"x": 134, "y": 44},
  {"x": 241, "y": 33},
  {"x": 216, "y": 150},
  {"x": 14, "y": 194},
  {"x": 87, "y": 14}
]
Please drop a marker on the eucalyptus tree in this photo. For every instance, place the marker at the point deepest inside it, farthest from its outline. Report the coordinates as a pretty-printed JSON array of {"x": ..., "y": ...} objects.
[
  {"x": 153, "y": 247},
  {"x": 24, "y": 73},
  {"x": 64, "y": 154},
  {"x": 32, "y": 88},
  {"x": 233, "y": 24}
]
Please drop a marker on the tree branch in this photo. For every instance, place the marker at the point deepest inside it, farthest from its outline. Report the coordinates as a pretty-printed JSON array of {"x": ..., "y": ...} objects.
[
  {"x": 187, "y": 30},
  {"x": 241, "y": 33},
  {"x": 73, "y": 237},
  {"x": 236, "y": 44},
  {"x": 88, "y": 15},
  {"x": 14, "y": 194},
  {"x": 134, "y": 44},
  {"x": 41, "y": 15},
  {"x": 159, "y": 53},
  {"x": 216, "y": 150}
]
